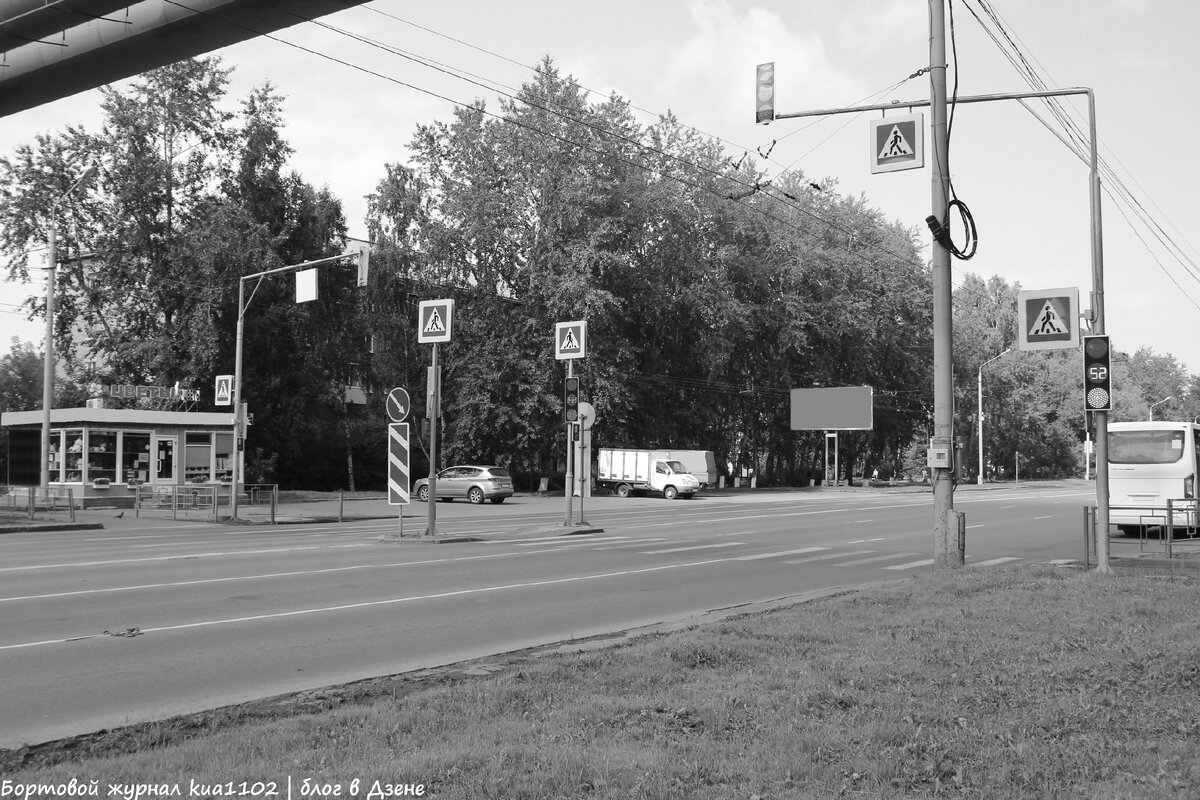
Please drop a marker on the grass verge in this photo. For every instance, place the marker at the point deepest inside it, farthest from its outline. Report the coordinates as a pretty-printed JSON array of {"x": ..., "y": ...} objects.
[{"x": 982, "y": 683}]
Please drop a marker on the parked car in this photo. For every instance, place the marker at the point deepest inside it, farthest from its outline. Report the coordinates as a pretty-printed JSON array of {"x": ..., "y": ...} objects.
[{"x": 476, "y": 483}]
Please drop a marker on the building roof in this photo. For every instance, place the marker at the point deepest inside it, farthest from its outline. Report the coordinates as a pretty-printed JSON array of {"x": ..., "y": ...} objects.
[{"x": 110, "y": 416}]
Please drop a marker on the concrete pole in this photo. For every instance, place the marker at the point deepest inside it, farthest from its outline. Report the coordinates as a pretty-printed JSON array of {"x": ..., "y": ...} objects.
[
  {"x": 1102, "y": 496},
  {"x": 946, "y": 553},
  {"x": 48, "y": 355}
]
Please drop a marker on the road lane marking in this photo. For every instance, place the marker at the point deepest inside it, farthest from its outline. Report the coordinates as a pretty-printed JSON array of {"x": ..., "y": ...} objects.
[
  {"x": 994, "y": 561},
  {"x": 185, "y": 556},
  {"x": 828, "y": 556},
  {"x": 692, "y": 547},
  {"x": 301, "y": 612},
  {"x": 912, "y": 564},
  {"x": 865, "y": 541},
  {"x": 256, "y": 577},
  {"x": 781, "y": 553},
  {"x": 873, "y": 559}
]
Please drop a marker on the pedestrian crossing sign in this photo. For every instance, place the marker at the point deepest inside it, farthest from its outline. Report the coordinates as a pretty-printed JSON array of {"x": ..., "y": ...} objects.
[
  {"x": 1048, "y": 319},
  {"x": 435, "y": 321},
  {"x": 223, "y": 391},
  {"x": 898, "y": 143},
  {"x": 570, "y": 340}
]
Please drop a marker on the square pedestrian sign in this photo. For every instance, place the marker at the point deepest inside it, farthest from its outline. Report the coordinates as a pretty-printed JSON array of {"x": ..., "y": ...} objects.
[
  {"x": 570, "y": 340},
  {"x": 1048, "y": 319},
  {"x": 435, "y": 321},
  {"x": 898, "y": 143}
]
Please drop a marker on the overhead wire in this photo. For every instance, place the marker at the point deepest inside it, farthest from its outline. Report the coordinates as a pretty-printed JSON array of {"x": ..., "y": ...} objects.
[{"x": 1113, "y": 185}]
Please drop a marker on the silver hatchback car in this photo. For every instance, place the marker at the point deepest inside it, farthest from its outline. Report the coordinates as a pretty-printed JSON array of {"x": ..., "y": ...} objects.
[{"x": 476, "y": 483}]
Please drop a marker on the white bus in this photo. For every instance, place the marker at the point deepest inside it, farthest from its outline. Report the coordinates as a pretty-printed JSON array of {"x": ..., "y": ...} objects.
[{"x": 1150, "y": 463}]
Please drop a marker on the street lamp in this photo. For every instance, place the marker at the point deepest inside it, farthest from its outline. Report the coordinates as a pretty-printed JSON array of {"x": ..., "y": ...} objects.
[
  {"x": 979, "y": 477},
  {"x": 48, "y": 356},
  {"x": 1152, "y": 405}
]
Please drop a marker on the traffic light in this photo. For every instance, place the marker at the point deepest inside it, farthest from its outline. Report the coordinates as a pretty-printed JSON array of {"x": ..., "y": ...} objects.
[
  {"x": 571, "y": 399},
  {"x": 364, "y": 263},
  {"x": 1097, "y": 374},
  {"x": 764, "y": 90}
]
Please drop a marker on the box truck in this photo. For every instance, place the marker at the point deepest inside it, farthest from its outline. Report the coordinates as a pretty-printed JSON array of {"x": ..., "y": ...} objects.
[{"x": 671, "y": 473}]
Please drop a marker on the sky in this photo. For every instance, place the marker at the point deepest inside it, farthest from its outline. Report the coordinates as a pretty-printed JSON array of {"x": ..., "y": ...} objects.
[{"x": 352, "y": 107}]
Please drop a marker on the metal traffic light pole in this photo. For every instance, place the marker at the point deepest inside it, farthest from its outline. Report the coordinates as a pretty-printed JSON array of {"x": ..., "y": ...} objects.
[
  {"x": 239, "y": 420},
  {"x": 570, "y": 477},
  {"x": 1097, "y": 311}
]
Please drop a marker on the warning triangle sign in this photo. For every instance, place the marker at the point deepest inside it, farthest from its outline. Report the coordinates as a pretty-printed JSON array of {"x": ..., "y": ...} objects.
[
  {"x": 895, "y": 145},
  {"x": 569, "y": 340},
  {"x": 434, "y": 324},
  {"x": 1048, "y": 323}
]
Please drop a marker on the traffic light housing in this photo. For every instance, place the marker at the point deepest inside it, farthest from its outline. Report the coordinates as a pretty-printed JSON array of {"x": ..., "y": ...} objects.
[
  {"x": 1097, "y": 374},
  {"x": 364, "y": 263},
  {"x": 571, "y": 400}
]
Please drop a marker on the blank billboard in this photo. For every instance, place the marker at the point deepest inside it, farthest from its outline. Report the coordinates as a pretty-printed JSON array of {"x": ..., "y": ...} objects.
[{"x": 842, "y": 408}]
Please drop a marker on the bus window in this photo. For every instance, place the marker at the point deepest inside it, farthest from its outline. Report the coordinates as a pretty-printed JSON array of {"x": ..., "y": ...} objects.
[{"x": 1145, "y": 447}]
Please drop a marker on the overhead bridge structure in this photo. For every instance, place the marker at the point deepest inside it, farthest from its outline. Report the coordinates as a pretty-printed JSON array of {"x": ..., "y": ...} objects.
[{"x": 50, "y": 49}]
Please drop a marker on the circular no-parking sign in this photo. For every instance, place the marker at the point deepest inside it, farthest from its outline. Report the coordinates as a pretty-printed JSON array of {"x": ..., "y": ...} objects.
[{"x": 398, "y": 405}]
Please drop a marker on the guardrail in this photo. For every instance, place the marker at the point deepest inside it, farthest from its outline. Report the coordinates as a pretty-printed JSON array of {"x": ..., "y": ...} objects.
[
  {"x": 1178, "y": 521},
  {"x": 36, "y": 503},
  {"x": 206, "y": 501}
]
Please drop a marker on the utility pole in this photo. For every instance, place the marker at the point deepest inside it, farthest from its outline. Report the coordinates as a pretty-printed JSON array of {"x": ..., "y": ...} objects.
[{"x": 944, "y": 554}]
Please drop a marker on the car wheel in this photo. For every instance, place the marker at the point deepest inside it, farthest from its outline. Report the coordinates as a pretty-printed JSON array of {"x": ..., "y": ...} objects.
[
  {"x": 475, "y": 495},
  {"x": 623, "y": 490},
  {"x": 423, "y": 493},
  {"x": 497, "y": 500},
  {"x": 670, "y": 492}
]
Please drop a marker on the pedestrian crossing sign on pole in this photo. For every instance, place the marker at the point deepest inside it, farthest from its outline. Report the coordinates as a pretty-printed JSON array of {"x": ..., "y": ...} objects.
[
  {"x": 435, "y": 321},
  {"x": 570, "y": 340},
  {"x": 223, "y": 391},
  {"x": 1048, "y": 319},
  {"x": 898, "y": 143}
]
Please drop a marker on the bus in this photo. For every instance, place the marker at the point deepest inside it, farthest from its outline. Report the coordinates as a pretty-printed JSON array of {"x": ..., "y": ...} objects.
[{"x": 1150, "y": 463}]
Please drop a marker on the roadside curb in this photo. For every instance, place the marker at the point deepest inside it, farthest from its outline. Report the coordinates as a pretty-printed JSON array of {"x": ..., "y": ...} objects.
[{"x": 52, "y": 526}]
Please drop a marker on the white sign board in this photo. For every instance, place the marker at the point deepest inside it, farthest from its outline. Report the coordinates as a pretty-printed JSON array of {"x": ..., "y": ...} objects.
[
  {"x": 1048, "y": 319},
  {"x": 897, "y": 143},
  {"x": 570, "y": 340},
  {"x": 435, "y": 321},
  {"x": 223, "y": 391}
]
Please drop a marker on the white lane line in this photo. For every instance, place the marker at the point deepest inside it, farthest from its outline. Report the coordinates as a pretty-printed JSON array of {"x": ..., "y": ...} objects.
[
  {"x": 693, "y": 547},
  {"x": 873, "y": 559},
  {"x": 638, "y": 543},
  {"x": 781, "y": 553},
  {"x": 186, "y": 556},
  {"x": 912, "y": 564},
  {"x": 828, "y": 556},
  {"x": 865, "y": 541},
  {"x": 256, "y": 577},
  {"x": 994, "y": 561},
  {"x": 379, "y": 603}
]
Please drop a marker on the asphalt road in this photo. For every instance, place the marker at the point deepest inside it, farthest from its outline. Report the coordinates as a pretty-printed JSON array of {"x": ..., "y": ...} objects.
[{"x": 143, "y": 621}]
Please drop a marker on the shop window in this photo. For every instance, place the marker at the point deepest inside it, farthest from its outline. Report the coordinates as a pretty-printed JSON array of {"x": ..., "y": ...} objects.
[
  {"x": 135, "y": 458},
  {"x": 73, "y": 456},
  {"x": 102, "y": 456},
  {"x": 224, "y": 456},
  {"x": 198, "y": 457}
]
